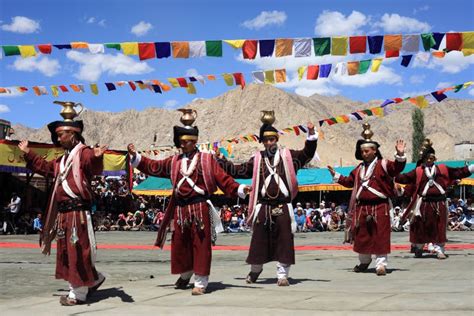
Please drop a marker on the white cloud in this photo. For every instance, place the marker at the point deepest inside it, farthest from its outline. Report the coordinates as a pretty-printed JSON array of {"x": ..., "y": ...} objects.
[
  {"x": 141, "y": 28},
  {"x": 22, "y": 24},
  {"x": 453, "y": 62},
  {"x": 330, "y": 23},
  {"x": 392, "y": 23},
  {"x": 385, "y": 75},
  {"x": 101, "y": 23},
  {"x": 171, "y": 104},
  {"x": 45, "y": 65},
  {"x": 93, "y": 65},
  {"x": 90, "y": 20},
  {"x": 443, "y": 85},
  {"x": 404, "y": 95},
  {"x": 266, "y": 18},
  {"x": 417, "y": 79},
  {"x": 471, "y": 91},
  {"x": 421, "y": 9},
  {"x": 94, "y": 20},
  {"x": 4, "y": 108}
]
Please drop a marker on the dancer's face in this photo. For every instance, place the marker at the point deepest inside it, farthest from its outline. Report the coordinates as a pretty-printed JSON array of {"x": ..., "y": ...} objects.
[
  {"x": 188, "y": 146},
  {"x": 368, "y": 153},
  {"x": 270, "y": 143},
  {"x": 67, "y": 139},
  {"x": 430, "y": 160}
]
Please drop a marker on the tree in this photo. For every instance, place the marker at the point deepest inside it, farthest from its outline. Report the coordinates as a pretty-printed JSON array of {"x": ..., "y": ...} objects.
[{"x": 418, "y": 135}]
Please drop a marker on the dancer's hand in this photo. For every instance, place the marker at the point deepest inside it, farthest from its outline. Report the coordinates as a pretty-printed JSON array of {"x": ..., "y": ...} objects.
[
  {"x": 23, "y": 145},
  {"x": 332, "y": 171},
  {"x": 131, "y": 150},
  {"x": 100, "y": 150}
]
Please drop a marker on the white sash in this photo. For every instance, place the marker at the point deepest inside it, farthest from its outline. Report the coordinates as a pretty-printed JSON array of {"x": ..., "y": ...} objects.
[
  {"x": 64, "y": 168},
  {"x": 273, "y": 174},
  {"x": 186, "y": 172},
  {"x": 430, "y": 173},
  {"x": 365, "y": 178}
]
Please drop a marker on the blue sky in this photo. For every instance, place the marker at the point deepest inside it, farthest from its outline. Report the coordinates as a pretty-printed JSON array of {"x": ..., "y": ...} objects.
[{"x": 61, "y": 22}]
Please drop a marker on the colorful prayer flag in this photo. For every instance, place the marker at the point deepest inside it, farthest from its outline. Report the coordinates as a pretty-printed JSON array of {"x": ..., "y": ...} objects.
[
  {"x": 55, "y": 91},
  {"x": 302, "y": 47},
  {"x": 228, "y": 79},
  {"x": 27, "y": 51},
  {"x": 249, "y": 49},
  {"x": 163, "y": 49},
  {"x": 10, "y": 50},
  {"x": 146, "y": 51},
  {"x": 375, "y": 44},
  {"x": 214, "y": 48},
  {"x": 392, "y": 53},
  {"x": 284, "y": 47},
  {"x": 269, "y": 76},
  {"x": 428, "y": 41},
  {"x": 110, "y": 86},
  {"x": 280, "y": 75},
  {"x": 258, "y": 76},
  {"x": 358, "y": 44},
  {"x": 339, "y": 46},
  {"x": 116, "y": 46},
  {"x": 364, "y": 66},
  {"x": 180, "y": 49},
  {"x": 322, "y": 46},
  {"x": 129, "y": 48},
  {"x": 313, "y": 72},
  {"x": 353, "y": 68},
  {"x": 392, "y": 42},
  {"x": 324, "y": 70},
  {"x": 406, "y": 60},
  {"x": 453, "y": 41},
  {"x": 411, "y": 43},
  {"x": 239, "y": 79},
  {"x": 266, "y": 47},
  {"x": 301, "y": 71},
  {"x": 197, "y": 49},
  {"x": 236, "y": 44},
  {"x": 94, "y": 88},
  {"x": 45, "y": 48},
  {"x": 191, "y": 89},
  {"x": 79, "y": 45}
]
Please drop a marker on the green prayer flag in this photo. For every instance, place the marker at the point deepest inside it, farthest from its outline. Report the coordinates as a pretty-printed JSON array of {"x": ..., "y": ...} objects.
[
  {"x": 368, "y": 112},
  {"x": 364, "y": 66},
  {"x": 113, "y": 45},
  {"x": 322, "y": 46},
  {"x": 458, "y": 87},
  {"x": 428, "y": 41},
  {"x": 11, "y": 50},
  {"x": 214, "y": 48}
]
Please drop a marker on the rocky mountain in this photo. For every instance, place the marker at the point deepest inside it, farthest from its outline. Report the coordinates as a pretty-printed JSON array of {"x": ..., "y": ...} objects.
[{"x": 237, "y": 112}]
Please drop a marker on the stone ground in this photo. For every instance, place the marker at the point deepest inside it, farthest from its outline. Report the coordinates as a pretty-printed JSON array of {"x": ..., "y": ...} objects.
[{"x": 139, "y": 282}]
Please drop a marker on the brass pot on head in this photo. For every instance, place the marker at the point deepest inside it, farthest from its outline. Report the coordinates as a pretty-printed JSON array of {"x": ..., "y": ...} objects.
[
  {"x": 268, "y": 117},
  {"x": 68, "y": 112},
  {"x": 367, "y": 133},
  {"x": 188, "y": 117}
]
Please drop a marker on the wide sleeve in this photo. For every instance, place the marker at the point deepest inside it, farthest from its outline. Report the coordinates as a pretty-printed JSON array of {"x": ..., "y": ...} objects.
[
  {"x": 39, "y": 165},
  {"x": 406, "y": 178},
  {"x": 238, "y": 171},
  {"x": 348, "y": 181},
  {"x": 302, "y": 157},
  {"x": 224, "y": 181},
  {"x": 92, "y": 164},
  {"x": 394, "y": 168},
  {"x": 157, "y": 168},
  {"x": 459, "y": 173}
]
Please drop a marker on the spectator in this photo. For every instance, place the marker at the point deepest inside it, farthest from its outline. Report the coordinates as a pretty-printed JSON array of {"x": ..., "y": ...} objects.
[
  {"x": 13, "y": 210},
  {"x": 300, "y": 219},
  {"x": 322, "y": 208},
  {"x": 334, "y": 222},
  {"x": 308, "y": 209},
  {"x": 37, "y": 224},
  {"x": 396, "y": 219}
]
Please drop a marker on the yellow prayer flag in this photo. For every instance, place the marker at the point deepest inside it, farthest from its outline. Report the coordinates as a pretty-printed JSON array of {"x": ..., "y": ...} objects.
[
  {"x": 94, "y": 89},
  {"x": 378, "y": 111},
  {"x": 129, "y": 48},
  {"x": 421, "y": 102},
  {"x": 269, "y": 76},
  {"x": 283, "y": 47},
  {"x": 280, "y": 75},
  {"x": 229, "y": 79},
  {"x": 339, "y": 46},
  {"x": 235, "y": 43},
  {"x": 174, "y": 82},
  {"x": 467, "y": 40},
  {"x": 339, "y": 119},
  {"x": 77, "y": 45},
  {"x": 191, "y": 89},
  {"x": 376, "y": 62},
  {"x": 301, "y": 71},
  {"x": 27, "y": 51},
  {"x": 468, "y": 51},
  {"x": 467, "y": 84},
  {"x": 55, "y": 90}
]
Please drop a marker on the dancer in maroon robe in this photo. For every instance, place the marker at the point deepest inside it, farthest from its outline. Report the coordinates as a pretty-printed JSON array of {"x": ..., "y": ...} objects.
[
  {"x": 68, "y": 217},
  {"x": 273, "y": 174},
  {"x": 195, "y": 177},
  {"x": 369, "y": 209},
  {"x": 427, "y": 210}
]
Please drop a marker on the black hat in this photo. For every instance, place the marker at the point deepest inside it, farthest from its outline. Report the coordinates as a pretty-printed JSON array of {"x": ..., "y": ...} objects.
[
  {"x": 54, "y": 127},
  {"x": 186, "y": 133},
  {"x": 267, "y": 130}
]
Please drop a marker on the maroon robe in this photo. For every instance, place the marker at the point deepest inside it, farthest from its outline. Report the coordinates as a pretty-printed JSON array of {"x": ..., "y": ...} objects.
[
  {"x": 375, "y": 237},
  {"x": 272, "y": 238},
  {"x": 190, "y": 244},
  {"x": 430, "y": 227},
  {"x": 73, "y": 261}
]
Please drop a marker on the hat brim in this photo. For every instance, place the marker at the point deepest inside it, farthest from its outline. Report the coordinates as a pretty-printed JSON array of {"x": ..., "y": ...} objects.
[{"x": 77, "y": 126}]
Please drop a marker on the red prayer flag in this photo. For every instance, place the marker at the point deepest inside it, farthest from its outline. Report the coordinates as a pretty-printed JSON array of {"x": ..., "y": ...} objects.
[
  {"x": 45, "y": 48},
  {"x": 132, "y": 85},
  {"x": 239, "y": 79},
  {"x": 392, "y": 53},
  {"x": 182, "y": 82},
  {"x": 297, "y": 130},
  {"x": 249, "y": 49},
  {"x": 312, "y": 72},
  {"x": 358, "y": 44},
  {"x": 146, "y": 50},
  {"x": 330, "y": 121},
  {"x": 398, "y": 100},
  {"x": 453, "y": 41},
  {"x": 63, "y": 88}
]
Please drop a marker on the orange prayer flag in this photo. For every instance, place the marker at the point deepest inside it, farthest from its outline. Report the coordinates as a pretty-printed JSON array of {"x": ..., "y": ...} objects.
[
  {"x": 180, "y": 49},
  {"x": 79, "y": 45},
  {"x": 284, "y": 47},
  {"x": 439, "y": 54},
  {"x": 75, "y": 88},
  {"x": 353, "y": 68},
  {"x": 392, "y": 42},
  {"x": 280, "y": 75},
  {"x": 211, "y": 77}
]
